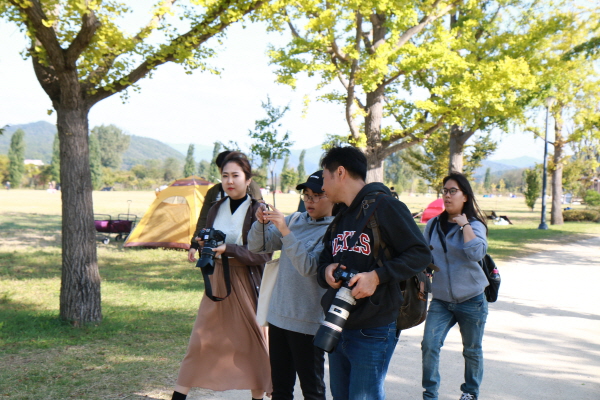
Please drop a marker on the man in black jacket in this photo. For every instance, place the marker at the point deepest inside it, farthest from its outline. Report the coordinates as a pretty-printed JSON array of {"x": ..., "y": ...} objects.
[{"x": 359, "y": 363}]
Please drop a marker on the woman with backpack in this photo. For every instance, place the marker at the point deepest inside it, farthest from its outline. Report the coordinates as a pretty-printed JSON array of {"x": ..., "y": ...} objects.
[{"x": 458, "y": 238}]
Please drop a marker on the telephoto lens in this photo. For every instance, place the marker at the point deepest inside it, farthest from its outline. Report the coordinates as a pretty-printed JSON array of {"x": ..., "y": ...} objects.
[{"x": 330, "y": 330}]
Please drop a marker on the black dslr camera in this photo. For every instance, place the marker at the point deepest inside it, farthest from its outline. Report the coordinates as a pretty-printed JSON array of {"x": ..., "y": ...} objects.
[
  {"x": 331, "y": 329},
  {"x": 343, "y": 275},
  {"x": 212, "y": 238}
]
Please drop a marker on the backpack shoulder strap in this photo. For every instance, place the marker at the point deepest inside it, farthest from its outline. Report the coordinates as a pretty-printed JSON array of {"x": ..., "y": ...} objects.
[
  {"x": 436, "y": 227},
  {"x": 368, "y": 207},
  {"x": 433, "y": 226},
  {"x": 377, "y": 242}
]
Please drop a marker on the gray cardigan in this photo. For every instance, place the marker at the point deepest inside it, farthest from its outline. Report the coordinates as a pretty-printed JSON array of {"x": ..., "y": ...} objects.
[
  {"x": 460, "y": 276},
  {"x": 295, "y": 302}
]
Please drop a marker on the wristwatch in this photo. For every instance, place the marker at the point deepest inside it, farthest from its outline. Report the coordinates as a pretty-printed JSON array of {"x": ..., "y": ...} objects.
[{"x": 462, "y": 227}]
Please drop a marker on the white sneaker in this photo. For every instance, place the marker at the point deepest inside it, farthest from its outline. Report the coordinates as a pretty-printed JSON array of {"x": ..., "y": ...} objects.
[{"x": 467, "y": 396}]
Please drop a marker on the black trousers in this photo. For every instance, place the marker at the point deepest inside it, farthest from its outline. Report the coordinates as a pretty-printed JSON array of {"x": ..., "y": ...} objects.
[{"x": 291, "y": 353}]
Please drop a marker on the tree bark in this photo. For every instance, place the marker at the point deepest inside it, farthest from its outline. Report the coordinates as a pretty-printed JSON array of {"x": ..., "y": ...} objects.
[
  {"x": 556, "y": 215},
  {"x": 374, "y": 150},
  {"x": 72, "y": 100},
  {"x": 458, "y": 138},
  {"x": 80, "y": 285}
]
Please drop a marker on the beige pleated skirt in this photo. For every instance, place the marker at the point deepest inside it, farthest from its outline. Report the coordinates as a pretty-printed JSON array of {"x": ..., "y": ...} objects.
[{"x": 227, "y": 349}]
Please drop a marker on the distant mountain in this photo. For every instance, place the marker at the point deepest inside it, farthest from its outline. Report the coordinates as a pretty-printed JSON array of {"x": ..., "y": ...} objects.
[
  {"x": 39, "y": 137},
  {"x": 521, "y": 162},
  {"x": 311, "y": 160},
  {"x": 142, "y": 148},
  {"x": 201, "y": 152},
  {"x": 38, "y": 140},
  {"x": 498, "y": 167}
]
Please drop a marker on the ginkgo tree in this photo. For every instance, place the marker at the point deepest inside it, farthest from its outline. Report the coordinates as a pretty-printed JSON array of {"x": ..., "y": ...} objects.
[
  {"x": 81, "y": 56},
  {"x": 405, "y": 69},
  {"x": 486, "y": 83},
  {"x": 570, "y": 79},
  {"x": 369, "y": 48}
]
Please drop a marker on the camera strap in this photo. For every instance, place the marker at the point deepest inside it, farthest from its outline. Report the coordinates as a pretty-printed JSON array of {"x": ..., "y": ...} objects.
[{"x": 207, "y": 285}]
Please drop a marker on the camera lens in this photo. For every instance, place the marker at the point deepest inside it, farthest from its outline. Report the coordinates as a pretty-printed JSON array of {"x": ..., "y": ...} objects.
[{"x": 330, "y": 330}]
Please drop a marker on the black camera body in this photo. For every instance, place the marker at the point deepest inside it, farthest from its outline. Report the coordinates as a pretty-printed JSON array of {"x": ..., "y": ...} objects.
[
  {"x": 344, "y": 275},
  {"x": 330, "y": 330},
  {"x": 212, "y": 238}
]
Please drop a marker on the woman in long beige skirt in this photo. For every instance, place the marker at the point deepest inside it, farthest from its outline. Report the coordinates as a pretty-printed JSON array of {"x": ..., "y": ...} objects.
[{"x": 228, "y": 349}]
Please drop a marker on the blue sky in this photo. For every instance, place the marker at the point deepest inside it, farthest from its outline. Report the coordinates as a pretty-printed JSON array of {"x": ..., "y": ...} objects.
[{"x": 201, "y": 108}]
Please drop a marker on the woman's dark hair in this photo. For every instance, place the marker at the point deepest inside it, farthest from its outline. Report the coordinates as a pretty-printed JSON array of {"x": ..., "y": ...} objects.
[
  {"x": 241, "y": 160},
  {"x": 351, "y": 158},
  {"x": 221, "y": 157},
  {"x": 470, "y": 208}
]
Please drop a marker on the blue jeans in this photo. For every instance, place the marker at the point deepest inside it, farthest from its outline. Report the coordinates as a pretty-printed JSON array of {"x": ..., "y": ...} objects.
[
  {"x": 471, "y": 316},
  {"x": 359, "y": 363}
]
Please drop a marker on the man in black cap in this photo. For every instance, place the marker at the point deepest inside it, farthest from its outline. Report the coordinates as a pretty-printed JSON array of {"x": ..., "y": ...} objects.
[{"x": 294, "y": 311}]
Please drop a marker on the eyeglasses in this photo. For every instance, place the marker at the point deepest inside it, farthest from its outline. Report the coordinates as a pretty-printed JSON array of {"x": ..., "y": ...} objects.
[
  {"x": 452, "y": 191},
  {"x": 313, "y": 198}
]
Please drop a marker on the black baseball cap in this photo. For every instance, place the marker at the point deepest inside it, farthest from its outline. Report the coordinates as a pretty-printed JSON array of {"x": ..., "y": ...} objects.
[{"x": 314, "y": 182}]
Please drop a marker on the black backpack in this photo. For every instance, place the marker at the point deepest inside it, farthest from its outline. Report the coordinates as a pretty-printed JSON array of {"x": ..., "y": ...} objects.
[{"x": 415, "y": 289}]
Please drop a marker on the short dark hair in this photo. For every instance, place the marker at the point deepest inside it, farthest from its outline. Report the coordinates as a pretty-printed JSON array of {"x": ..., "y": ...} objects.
[
  {"x": 351, "y": 158},
  {"x": 470, "y": 208},
  {"x": 241, "y": 160},
  {"x": 221, "y": 157}
]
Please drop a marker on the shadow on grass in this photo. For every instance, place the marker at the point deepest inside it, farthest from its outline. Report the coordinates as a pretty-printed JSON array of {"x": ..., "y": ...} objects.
[
  {"x": 20, "y": 222},
  {"x": 30, "y": 230},
  {"x": 134, "y": 350},
  {"x": 150, "y": 269},
  {"x": 510, "y": 241},
  {"x": 26, "y": 326}
]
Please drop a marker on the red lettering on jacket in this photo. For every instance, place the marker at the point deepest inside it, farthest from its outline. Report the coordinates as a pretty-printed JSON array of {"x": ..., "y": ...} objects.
[
  {"x": 347, "y": 235},
  {"x": 366, "y": 244},
  {"x": 340, "y": 243}
]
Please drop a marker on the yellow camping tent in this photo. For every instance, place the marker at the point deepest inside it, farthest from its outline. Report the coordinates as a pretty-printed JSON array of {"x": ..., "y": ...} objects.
[{"x": 171, "y": 219}]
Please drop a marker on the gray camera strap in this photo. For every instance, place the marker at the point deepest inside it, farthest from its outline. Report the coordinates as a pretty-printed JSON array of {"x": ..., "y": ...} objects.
[{"x": 207, "y": 285}]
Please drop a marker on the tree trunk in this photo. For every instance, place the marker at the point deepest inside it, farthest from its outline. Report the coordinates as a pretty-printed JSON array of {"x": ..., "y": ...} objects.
[
  {"x": 374, "y": 150},
  {"x": 556, "y": 215},
  {"x": 458, "y": 138},
  {"x": 80, "y": 285}
]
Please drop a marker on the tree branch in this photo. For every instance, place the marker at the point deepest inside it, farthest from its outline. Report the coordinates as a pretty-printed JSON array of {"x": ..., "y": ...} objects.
[
  {"x": 108, "y": 60},
  {"x": 413, "y": 139},
  {"x": 293, "y": 29},
  {"x": 46, "y": 76},
  {"x": 367, "y": 42},
  {"x": 415, "y": 30},
  {"x": 197, "y": 36},
  {"x": 89, "y": 25},
  {"x": 351, "y": 97},
  {"x": 335, "y": 50},
  {"x": 393, "y": 78},
  {"x": 537, "y": 133},
  {"x": 45, "y": 35}
]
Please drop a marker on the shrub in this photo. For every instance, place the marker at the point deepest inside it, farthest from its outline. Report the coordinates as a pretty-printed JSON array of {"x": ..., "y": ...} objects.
[
  {"x": 581, "y": 215},
  {"x": 592, "y": 198}
]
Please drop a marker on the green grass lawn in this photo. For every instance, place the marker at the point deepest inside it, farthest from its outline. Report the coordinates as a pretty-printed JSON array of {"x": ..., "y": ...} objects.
[{"x": 149, "y": 298}]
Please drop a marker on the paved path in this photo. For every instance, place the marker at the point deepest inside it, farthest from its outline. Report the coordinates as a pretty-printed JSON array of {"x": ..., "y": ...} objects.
[{"x": 542, "y": 339}]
